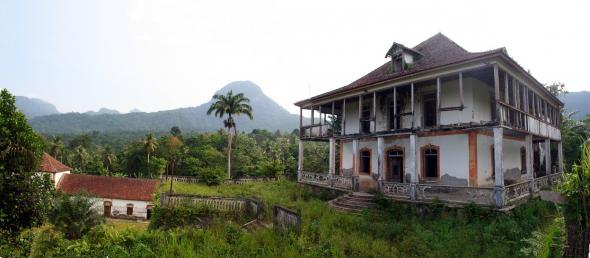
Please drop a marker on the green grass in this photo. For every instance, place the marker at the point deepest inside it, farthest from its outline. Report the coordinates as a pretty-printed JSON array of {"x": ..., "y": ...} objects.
[
  {"x": 121, "y": 225},
  {"x": 394, "y": 230}
]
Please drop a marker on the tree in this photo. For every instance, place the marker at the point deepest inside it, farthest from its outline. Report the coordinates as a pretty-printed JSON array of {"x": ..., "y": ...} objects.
[
  {"x": 231, "y": 105},
  {"x": 81, "y": 157},
  {"x": 576, "y": 187},
  {"x": 108, "y": 159},
  {"x": 24, "y": 196},
  {"x": 175, "y": 131},
  {"x": 149, "y": 146},
  {"x": 74, "y": 216},
  {"x": 56, "y": 147}
]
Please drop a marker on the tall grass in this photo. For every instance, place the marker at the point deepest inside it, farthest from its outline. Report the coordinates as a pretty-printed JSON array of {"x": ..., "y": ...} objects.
[{"x": 391, "y": 230}]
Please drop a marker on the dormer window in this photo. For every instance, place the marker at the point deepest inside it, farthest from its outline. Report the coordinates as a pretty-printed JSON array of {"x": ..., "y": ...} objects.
[{"x": 402, "y": 58}]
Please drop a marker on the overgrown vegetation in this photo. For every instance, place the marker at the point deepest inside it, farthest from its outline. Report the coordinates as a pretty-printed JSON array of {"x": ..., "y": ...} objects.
[{"x": 391, "y": 230}]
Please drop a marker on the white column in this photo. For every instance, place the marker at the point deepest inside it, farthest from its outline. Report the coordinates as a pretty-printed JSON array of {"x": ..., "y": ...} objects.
[
  {"x": 332, "y": 157},
  {"x": 528, "y": 141},
  {"x": 498, "y": 171},
  {"x": 412, "y": 168},
  {"x": 560, "y": 156},
  {"x": 355, "y": 161},
  {"x": 300, "y": 161},
  {"x": 547, "y": 156},
  {"x": 380, "y": 156}
]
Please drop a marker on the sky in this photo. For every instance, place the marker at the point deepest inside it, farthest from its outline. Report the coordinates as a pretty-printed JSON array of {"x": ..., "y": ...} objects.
[{"x": 153, "y": 55}]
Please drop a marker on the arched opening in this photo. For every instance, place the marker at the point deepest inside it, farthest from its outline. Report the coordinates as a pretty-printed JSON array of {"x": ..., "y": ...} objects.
[
  {"x": 395, "y": 165},
  {"x": 430, "y": 162},
  {"x": 365, "y": 161}
]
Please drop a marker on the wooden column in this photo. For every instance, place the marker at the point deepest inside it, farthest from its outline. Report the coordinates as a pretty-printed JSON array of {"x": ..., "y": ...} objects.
[
  {"x": 412, "y": 104},
  {"x": 437, "y": 101},
  {"x": 360, "y": 113},
  {"x": 506, "y": 90},
  {"x": 332, "y": 159},
  {"x": 343, "y": 131},
  {"x": 320, "y": 130},
  {"x": 472, "y": 142},
  {"x": 560, "y": 156},
  {"x": 528, "y": 145},
  {"x": 300, "y": 122},
  {"x": 300, "y": 160},
  {"x": 497, "y": 91},
  {"x": 461, "y": 90},
  {"x": 548, "y": 156},
  {"x": 374, "y": 118},
  {"x": 412, "y": 168},
  {"x": 380, "y": 161},
  {"x": 355, "y": 157},
  {"x": 395, "y": 117},
  {"x": 312, "y": 116},
  {"x": 498, "y": 169}
]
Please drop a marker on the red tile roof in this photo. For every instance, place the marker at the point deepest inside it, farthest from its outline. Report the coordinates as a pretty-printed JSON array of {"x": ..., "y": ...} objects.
[
  {"x": 109, "y": 187},
  {"x": 51, "y": 165},
  {"x": 437, "y": 51}
]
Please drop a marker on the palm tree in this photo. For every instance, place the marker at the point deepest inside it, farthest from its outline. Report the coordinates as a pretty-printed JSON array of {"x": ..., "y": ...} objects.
[
  {"x": 108, "y": 158},
  {"x": 231, "y": 105},
  {"x": 149, "y": 146},
  {"x": 56, "y": 147},
  {"x": 81, "y": 157},
  {"x": 74, "y": 215}
]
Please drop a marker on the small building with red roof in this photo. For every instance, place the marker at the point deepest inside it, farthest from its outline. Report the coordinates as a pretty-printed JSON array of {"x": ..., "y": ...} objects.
[
  {"x": 114, "y": 196},
  {"x": 53, "y": 167}
]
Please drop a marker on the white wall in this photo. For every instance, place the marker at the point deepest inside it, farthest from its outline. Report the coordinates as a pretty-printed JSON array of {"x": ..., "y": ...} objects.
[
  {"x": 352, "y": 117},
  {"x": 454, "y": 158},
  {"x": 120, "y": 206},
  {"x": 55, "y": 177},
  {"x": 511, "y": 165}
]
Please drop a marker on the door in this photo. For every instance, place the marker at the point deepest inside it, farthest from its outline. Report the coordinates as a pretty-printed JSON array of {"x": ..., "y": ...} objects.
[
  {"x": 395, "y": 166},
  {"x": 107, "y": 209},
  {"x": 429, "y": 110}
]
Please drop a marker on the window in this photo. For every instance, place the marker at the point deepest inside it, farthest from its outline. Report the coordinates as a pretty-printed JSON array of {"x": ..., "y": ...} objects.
[
  {"x": 430, "y": 161},
  {"x": 129, "y": 209},
  {"x": 522, "y": 160},
  {"x": 395, "y": 165},
  {"x": 365, "y": 166}
]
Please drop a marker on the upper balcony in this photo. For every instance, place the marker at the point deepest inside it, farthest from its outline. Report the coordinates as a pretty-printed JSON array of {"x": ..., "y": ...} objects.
[{"x": 487, "y": 95}]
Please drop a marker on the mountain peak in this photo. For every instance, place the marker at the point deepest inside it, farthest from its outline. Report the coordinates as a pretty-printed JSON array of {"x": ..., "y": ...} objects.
[{"x": 247, "y": 87}]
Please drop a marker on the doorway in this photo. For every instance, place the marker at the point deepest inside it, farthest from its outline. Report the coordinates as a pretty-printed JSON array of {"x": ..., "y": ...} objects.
[
  {"x": 107, "y": 209},
  {"x": 395, "y": 166},
  {"x": 429, "y": 110}
]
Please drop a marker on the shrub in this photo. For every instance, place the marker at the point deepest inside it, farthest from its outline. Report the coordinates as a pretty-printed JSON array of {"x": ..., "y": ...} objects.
[
  {"x": 211, "y": 175},
  {"x": 74, "y": 216},
  {"x": 46, "y": 242}
]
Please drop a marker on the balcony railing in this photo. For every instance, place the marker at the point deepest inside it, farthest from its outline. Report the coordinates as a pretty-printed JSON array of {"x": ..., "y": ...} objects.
[
  {"x": 310, "y": 131},
  {"x": 396, "y": 190},
  {"x": 458, "y": 194},
  {"x": 516, "y": 118},
  {"x": 346, "y": 183}
]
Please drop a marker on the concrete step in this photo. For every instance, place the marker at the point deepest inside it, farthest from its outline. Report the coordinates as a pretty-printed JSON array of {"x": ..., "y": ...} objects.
[{"x": 352, "y": 203}]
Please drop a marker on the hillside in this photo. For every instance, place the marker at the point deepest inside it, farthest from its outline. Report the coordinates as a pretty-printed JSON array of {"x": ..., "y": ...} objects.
[
  {"x": 578, "y": 102},
  {"x": 33, "y": 107},
  {"x": 267, "y": 115}
]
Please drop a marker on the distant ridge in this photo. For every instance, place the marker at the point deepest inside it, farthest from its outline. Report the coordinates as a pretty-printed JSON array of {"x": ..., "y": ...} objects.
[
  {"x": 267, "y": 115},
  {"x": 578, "y": 102},
  {"x": 33, "y": 107}
]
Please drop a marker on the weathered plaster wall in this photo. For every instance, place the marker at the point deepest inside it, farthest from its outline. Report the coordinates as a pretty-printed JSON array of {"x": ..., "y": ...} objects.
[
  {"x": 510, "y": 160},
  {"x": 120, "y": 206},
  {"x": 352, "y": 117},
  {"x": 454, "y": 158}
]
